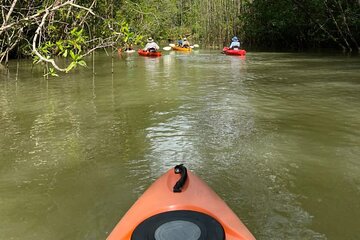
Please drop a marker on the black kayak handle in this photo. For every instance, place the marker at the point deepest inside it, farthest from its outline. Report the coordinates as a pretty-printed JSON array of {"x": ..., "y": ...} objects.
[{"x": 180, "y": 169}]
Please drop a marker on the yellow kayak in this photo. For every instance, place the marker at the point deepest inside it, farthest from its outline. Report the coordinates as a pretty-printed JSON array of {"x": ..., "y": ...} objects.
[{"x": 177, "y": 48}]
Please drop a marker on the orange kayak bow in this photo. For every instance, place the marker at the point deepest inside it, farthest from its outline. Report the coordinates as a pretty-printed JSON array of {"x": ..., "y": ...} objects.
[{"x": 179, "y": 205}]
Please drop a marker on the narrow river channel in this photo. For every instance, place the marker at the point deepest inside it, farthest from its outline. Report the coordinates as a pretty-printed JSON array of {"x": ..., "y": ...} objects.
[{"x": 276, "y": 135}]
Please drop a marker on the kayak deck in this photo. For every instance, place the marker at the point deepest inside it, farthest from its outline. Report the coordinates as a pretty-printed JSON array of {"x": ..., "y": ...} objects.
[
  {"x": 192, "y": 208},
  {"x": 142, "y": 52},
  {"x": 182, "y": 49},
  {"x": 228, "y": 51}
]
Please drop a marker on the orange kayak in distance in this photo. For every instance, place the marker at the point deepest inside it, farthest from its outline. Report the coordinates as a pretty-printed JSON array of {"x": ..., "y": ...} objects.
[
  {"x": 179, "y": 205},
  {"x": 182, "y": 49},
  {"x": 142, "y": 52}
]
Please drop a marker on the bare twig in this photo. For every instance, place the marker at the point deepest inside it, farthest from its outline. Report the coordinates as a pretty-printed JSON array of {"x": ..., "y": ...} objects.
[
  {"x": 39, "y": 14},
  {"x": 38, "y": 32},
  {"x": 9, "y": 13}
]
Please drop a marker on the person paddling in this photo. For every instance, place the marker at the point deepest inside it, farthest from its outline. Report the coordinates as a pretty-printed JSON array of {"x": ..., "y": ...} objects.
[
  {"x": 179, "y": 42},
  {"x": 128, "y": 47},
  {"x": 151, "y": 46},
  {"x": 185, "y": 43},
  {"x": 235, "y": 44}
]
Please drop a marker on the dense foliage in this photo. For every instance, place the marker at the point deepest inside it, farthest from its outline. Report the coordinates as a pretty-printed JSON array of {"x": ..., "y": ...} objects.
[
  {"x": 299, "y": 24},
  {"x": 71, "y": 29}
]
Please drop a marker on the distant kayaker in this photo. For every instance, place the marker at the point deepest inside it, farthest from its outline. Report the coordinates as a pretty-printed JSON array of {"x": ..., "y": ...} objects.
[
  {"x": 185, "y": 43},
  {"x": 235, "y": 43},
  {"x": 151, "y": 46},
  {"x": 179, "y": 42},
  {"x": 128, "y": 47}
]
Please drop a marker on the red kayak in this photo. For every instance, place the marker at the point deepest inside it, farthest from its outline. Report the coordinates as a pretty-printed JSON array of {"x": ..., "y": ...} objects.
[
  {"x": 229, "y": 51},
  {"x": 179, "y": 205},
  {"x": 142, "y": 52}
]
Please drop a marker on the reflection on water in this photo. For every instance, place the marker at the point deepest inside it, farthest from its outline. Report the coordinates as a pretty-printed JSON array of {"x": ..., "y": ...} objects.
[{"x": 275, "y": 135}]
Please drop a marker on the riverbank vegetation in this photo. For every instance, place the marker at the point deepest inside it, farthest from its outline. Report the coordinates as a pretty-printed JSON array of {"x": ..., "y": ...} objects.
[{"x": 52, "y": 30}]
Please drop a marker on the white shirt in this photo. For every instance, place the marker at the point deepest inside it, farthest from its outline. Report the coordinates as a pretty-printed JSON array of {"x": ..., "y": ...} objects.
[
  {"x": 151, "y": 45},
  {"x": 235, "y": 44}
]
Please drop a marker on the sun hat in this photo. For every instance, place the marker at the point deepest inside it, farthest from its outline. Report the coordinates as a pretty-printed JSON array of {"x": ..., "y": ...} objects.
[
  {"x": 149, "y": 40},
  {"x": 234, "y": 39},
  {"x": 184, "y": 39}
]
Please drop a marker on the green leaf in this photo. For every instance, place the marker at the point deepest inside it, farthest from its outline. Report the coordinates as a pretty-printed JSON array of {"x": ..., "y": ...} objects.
[
  {"x": 52, "y": 72},
  {"x": 36, "y": 60},
  {"x": 65, "y": 53},
  {"x": 72, "y": 54},
  {"x": 82, "y": 63},
  {"x": 59, "y": 44},
  {"x": 71, "y": 66},
  {"x": 73, "y": 32}
]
